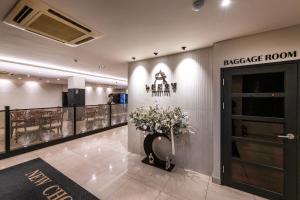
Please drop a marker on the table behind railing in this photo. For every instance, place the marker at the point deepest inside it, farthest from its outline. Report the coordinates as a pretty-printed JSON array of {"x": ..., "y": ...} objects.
[
  {"x": 90, "y": 118},
  {"x": 118, "y": 114},
  {"x": 40, "y": 127},
  {"x": 34, "y": 126}
]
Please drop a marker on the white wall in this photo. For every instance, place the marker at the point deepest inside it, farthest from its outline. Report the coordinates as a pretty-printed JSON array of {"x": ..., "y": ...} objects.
[
  {"x": 20, "y": 94},
  {"x": 29, "y": 94},
  {"x": 192, "y": 72},
  {"x": 265, "y": 43},
  {"x": 96, "y": 95},
  {"x": 76, "y": 82}
]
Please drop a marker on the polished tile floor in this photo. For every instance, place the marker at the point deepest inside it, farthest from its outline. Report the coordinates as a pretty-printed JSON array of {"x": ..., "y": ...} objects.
[{"x": 102, "y": 165}]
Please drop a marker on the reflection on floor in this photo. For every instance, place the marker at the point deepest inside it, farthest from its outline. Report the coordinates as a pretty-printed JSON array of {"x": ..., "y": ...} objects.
[{"x": 102, "y": 165}]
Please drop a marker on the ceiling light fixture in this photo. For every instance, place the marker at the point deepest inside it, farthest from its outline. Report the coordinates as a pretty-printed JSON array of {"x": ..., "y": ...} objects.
[
  {"x": 58, "y": 79},
  {"x": 155, "y": 53},
  {"x": 183, "y": 48},
  {"x": 225, "y": 3},
  {"x": 197, "y": 5},
  {"x": 101, "y": 66},
  {"x": 13, "y": 62},
  {"x": 133, "y": 58}
]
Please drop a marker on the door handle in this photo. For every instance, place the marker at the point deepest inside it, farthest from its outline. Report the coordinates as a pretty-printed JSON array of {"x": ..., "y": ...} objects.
[{"x": 289, "y": 136}]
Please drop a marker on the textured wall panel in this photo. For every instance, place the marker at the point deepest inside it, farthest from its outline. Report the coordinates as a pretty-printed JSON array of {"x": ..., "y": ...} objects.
[{"x": 192, "y": 72}]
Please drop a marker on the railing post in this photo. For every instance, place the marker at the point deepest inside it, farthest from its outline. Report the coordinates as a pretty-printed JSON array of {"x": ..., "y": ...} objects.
[
  {"x": 7, "y": 129},
  {"x": 110, "y": 115},
  {"x": 75, "y": 119}
]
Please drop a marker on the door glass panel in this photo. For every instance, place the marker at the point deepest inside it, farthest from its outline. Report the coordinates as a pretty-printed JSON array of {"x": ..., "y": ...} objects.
[
  {"x": 260, "y": 177},
  {"x": 258, "y": 83},
  {"x": 260, "y": 153},
  {"x": 258, "y": 102},
  {"x": 265, "y": 131},
  {"x": 255, "y": 106}
]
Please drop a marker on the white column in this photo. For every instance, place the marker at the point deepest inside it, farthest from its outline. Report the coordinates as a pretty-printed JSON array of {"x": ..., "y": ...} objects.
[{"x": 76, "y": 83}]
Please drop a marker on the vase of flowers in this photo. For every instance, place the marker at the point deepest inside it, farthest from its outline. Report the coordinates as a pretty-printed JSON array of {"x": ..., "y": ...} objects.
[{"x": 160, "y": 122}]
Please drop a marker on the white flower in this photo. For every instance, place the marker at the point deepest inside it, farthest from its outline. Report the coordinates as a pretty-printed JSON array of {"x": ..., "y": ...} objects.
[
  {"x": 160, "y": 120},
  {"x": 157, "y": 126}
]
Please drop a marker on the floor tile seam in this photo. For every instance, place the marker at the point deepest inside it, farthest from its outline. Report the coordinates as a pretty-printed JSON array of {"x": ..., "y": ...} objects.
[
  {"x": 134, "y": 177},
  {"x": 231, "y": 192},
  {"x": 156, "y": 198},
  {"x": 165, "y": 185},
  {"x": 121, "y": 186},
  {"x": 208, "y": 182}
]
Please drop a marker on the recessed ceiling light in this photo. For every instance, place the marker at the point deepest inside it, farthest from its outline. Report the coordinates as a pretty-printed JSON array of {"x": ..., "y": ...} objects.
[
  {"x": 101, "y": 66},
  {"x": 197, "y": 5},
  {"x": 225, "y": 3},
  {"x": 58, "y": 79}
]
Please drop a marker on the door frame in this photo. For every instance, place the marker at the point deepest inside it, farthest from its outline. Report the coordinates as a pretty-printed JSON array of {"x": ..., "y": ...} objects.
[
  {"x": 298, "y": 130},
  {"x": 225, "y": 153}
]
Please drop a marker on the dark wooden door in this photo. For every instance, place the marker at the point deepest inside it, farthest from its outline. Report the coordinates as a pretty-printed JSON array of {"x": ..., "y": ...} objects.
[{"x": 259, "y": 129}]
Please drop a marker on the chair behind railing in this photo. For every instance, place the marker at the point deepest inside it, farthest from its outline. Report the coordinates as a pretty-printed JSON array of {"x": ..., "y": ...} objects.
[
  {"x": 53, "y": 120},
  {"x": 34, "y": 126}
]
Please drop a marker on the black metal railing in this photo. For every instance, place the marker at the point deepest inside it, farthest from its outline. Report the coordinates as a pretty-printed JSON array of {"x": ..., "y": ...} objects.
[{"x": 23, "y": 130}]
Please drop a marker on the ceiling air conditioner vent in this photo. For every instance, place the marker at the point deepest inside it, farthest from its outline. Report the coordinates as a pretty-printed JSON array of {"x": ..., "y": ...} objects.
[
  {"x": 69, "y": 20},
  {"x": 37, "y": 17},
  {"x": 84, "y": 40},
  {"x": 22, "y": 14}
]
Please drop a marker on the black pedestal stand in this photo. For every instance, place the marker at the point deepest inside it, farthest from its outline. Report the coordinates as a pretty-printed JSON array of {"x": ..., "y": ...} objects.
[{"x": 161, "y": 164}]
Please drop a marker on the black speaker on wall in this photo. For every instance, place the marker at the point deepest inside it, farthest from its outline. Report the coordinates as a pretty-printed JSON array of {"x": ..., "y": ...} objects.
[{"x": 76, "y": 97}]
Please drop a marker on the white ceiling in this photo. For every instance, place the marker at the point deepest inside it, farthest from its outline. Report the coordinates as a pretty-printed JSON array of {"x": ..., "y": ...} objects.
[{"x": 140, "y": 27}]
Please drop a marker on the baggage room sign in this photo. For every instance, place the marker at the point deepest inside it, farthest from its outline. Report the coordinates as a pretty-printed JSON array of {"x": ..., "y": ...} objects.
[{"x": 286, "y": 55}]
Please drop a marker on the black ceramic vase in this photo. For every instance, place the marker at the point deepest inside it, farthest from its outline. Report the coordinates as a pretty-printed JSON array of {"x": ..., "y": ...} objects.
[{"x": 152, "y": 158}]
